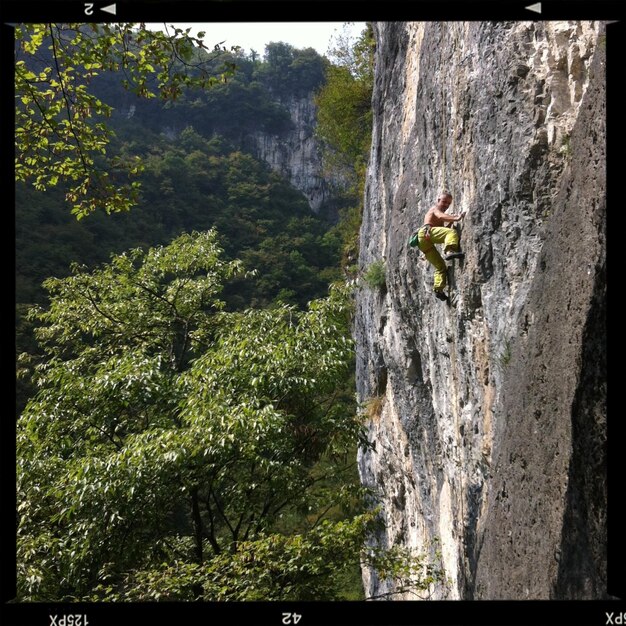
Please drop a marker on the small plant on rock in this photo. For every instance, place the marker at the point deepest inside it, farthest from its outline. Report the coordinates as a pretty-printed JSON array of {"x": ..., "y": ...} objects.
[{"x": 374, "y": 275}]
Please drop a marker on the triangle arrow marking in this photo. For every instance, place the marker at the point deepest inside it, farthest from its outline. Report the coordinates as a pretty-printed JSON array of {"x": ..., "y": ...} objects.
[{"x": 534, "y": 7}]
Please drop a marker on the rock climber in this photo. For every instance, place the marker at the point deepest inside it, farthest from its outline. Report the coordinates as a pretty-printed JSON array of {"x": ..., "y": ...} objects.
[{"x": 435, "y": 231}]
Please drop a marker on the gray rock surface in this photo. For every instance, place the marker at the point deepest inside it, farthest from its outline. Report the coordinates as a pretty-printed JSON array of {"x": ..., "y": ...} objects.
[
  {"x": 295, "y": 154},
  {"x": 487, "y": 415}
]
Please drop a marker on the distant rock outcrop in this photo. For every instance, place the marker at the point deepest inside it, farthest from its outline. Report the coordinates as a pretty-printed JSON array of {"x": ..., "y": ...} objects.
[
  {"x": 295, "y": 154},
  {"x": 489, "y": 430}
]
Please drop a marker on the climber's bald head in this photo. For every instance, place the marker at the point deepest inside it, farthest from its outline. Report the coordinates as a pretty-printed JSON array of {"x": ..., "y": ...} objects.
[{"x": 444, "y": 199}]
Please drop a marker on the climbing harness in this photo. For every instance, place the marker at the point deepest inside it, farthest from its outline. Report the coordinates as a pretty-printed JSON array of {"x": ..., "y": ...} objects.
[
  {"x": 414, "y": 239},
  {"x": 426, "y": 228}
]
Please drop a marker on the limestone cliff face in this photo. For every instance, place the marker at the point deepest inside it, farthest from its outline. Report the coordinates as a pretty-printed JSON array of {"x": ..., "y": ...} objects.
[
  {"x": 295, "y": 154},
  {"x": 487, "y": 415}
]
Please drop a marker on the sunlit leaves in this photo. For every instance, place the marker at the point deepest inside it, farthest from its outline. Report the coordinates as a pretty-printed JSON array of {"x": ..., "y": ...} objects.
[
  {"x": 160, "y": 300},
  {"x": 344, "y": 108},
  {"x": 160, "y": 416},
  {"x": 57, "y": 132},
  {"x": 302, "y": 566}
]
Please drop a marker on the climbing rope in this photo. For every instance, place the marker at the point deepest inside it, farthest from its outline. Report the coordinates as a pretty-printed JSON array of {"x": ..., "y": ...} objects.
[
  {"x": 444, "y": 114},
  {"x": 444, "y": 138}
]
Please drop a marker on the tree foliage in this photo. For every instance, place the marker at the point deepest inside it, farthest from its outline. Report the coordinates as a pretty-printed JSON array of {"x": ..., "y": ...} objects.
[
  {"x": 167, "y": 430},
  {"x": 60, "y": 135},
  {"x": 344, "y": 121},
  {"x": 344, "y": 127},
  {"x": 193, "y": 183},
  {"x": 198, "y": 179},
  {"x": 289, "y": 72}
]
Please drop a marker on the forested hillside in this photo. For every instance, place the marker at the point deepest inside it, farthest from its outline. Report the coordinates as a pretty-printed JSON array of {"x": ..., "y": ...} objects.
[
  {"x": 191, "y": 183},
  {"x": 197, "y": 174}
]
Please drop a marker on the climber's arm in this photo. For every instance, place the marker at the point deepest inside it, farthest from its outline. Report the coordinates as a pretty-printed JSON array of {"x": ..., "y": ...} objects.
[{"x": 449, "y": 218}]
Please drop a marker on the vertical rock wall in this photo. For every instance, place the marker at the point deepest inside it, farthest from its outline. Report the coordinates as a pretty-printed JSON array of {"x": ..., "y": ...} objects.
[
  {"x": 486, "y": 415},
  {"x": 295, "y": 154}
]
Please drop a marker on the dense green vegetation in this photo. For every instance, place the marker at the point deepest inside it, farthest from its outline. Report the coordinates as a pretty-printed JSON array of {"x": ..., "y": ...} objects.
[
  {"x": 344, "y": 121},
  {"x": 250, "y": 99},
  {"x": 192, "y": 183},
  {"x": 202, "y": 179},
  {"x": 60, "y": 132},
  {"x": 345, "y": 130},
  {"x": 187, "y": 425},
  {"x": 168, "y": 430}
]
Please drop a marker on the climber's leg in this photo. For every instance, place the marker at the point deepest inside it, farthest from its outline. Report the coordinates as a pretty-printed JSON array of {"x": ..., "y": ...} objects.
[
  {"x": 449, "y": 237},
  {"x": 441, "y": 269},
  {"x": 442, "y": 234}
]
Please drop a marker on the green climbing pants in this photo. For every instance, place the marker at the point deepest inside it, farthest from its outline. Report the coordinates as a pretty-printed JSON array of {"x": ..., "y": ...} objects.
[{"x": 438, "y": 234}]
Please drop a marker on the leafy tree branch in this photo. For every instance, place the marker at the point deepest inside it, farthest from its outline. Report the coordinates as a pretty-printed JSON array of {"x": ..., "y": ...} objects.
[
  {"x": 200, "y": 453},
  {"x": 58, "y": 137}
]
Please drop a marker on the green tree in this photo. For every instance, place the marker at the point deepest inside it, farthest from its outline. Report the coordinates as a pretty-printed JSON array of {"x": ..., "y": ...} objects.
[
  {"x": 288, "y": 71},
  {"x": 344, "y": 120},
  {"x": 60, "y": 135},
  {"x": 344, "y": 127},
  {"x": 169, "y": 437}
]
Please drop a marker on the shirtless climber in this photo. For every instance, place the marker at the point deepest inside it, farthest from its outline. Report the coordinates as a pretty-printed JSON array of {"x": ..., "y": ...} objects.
[{"x": 435, "y": 231}]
